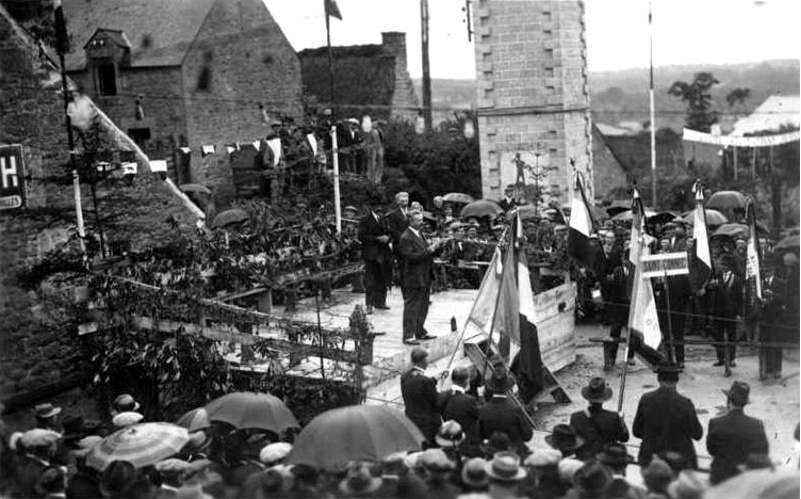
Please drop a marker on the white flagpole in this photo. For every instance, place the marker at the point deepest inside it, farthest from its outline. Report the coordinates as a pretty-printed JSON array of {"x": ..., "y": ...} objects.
[{"x": 335, "y": 160}]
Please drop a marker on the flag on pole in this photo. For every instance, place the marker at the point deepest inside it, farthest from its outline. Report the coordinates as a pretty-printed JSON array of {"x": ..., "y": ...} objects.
[
  {"x": 702, "y": 268},
  {"x": 643, "y": 319},
  {"x": 753, "y": 262},
  {"x": 637, "y": 227},
  {"x": 483, "y": 312},
  {"x": 332, "y": 9},
  {"x": 579, "y": 243},
  {"x": 515, "y": 316}
]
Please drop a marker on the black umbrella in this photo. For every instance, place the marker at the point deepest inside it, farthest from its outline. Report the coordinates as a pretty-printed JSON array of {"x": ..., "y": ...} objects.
[
  {"x": 229, "y": 217},
  {"x": 481, "y": 208},
  {"x": 662, "y": 217},
  {"x": 732, "y": 230}
]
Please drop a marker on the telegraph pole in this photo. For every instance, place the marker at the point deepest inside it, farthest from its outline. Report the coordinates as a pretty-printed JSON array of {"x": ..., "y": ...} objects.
[{"x": 427, "y": 117}]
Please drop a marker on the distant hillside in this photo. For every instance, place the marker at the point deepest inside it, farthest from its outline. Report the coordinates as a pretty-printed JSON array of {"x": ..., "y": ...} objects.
[{"x": 618, "y": 96}]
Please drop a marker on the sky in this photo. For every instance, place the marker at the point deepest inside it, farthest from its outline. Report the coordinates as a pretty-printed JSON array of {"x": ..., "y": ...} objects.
[{"x": 684, "y": 31}]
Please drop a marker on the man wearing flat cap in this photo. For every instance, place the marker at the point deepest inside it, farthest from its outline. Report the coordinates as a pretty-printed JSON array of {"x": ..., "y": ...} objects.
[
  {"x": 666, "y": 420},
  {"x": 420, "y": 396},
  {"x": 734, "y": 436}
]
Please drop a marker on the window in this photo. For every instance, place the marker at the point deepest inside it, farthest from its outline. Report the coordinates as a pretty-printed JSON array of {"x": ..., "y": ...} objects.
[
  {"x": 139, "y": 135},
  {"x": 106, "y": 78}
]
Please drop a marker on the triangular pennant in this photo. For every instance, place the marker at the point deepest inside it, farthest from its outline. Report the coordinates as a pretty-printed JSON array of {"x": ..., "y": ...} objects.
[{"x": 275, "y": 146}]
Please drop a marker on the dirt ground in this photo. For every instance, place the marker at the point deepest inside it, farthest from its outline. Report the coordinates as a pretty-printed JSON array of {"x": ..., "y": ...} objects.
[{"x": 775, "y": 402}]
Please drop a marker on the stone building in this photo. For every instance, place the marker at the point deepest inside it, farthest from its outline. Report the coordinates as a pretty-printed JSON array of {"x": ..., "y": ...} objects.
[
  {"x": 533, "y": 99},
  {"x": 176, "y": 73},
  {"x": 40, "y": 355},
  {"x": 368, "y": 79}
]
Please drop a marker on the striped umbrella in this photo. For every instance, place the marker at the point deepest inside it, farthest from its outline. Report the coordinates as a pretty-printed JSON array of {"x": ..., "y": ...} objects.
[
  {"x": 194, "y": 420},
  {"x": 142, "y": 445}
]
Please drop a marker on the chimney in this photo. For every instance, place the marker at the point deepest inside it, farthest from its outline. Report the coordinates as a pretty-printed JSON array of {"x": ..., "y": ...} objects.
[{"x": 394, "y": 41}]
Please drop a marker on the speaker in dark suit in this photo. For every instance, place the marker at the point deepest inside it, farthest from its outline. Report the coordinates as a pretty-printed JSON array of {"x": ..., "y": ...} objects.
[
  {"x": 418, "y": 268},
  {"x": 666, "y": 420},
  {"x": 375, "y": 238},
  {"x": 420, "y": 396},
  {"x": 734, "y": 436}
]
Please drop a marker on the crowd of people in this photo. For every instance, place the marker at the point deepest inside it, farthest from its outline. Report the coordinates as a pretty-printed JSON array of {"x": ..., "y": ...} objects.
[{"x": 475, "y": 445}]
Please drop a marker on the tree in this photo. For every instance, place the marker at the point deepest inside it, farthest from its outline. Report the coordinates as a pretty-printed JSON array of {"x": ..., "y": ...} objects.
[
  {"x": 697, "y": 97},
  {"x": 738, "y": 95}
]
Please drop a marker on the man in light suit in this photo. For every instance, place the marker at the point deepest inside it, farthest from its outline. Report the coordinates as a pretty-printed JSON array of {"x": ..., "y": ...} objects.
[{"x": 418, "y": 267}]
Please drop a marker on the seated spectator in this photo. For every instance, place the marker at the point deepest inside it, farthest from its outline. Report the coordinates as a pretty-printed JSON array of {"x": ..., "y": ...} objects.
[
  {"x": 657, "y": 476},
  {"x": 567, "y": 470},
  {"x": 39, "y": 448},
  {"x": 52, "y": 484},
  {"x": 360, "y": 482},
  {"x": 616, "y": 458},
  {"x": 474, "y": 476},
  {"x": 171, "y": 471},
  {"x": 505, "y": 474},
  {"x": 118, "y": 480},
  {"x": 592, "y": 481},
  {"x": 689, "y": 485},
  {"x": 543, "y": 475},
  {"x": 275, "y": 453},
  {"x": 438, "y": 473}
]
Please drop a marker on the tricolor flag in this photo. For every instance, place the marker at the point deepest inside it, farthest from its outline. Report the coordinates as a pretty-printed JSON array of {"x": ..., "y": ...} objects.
[
  {"x": 580, "y": 247},
  {"x": 643, "y": 319},
  {"x": 505, "y": 303},
  {"x": 515, "y": 317},
  {"x": 332, "y": 9},
  {"x": 637, "y": 226},
  {"x": 702, "y": 263},
  {"x": 483, "y": 312},
  {"x": 753, "y": 262}
]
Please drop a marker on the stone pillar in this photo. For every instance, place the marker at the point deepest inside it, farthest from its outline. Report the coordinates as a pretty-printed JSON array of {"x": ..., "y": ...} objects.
[{"x": 533, "y": 98}]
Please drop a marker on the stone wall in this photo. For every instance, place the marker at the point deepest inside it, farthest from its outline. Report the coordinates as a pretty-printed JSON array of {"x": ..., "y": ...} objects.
[
  {"x": 158, "y": 91},
  {"x": 250, "y": 62},
  {"x": 37, "y": 347},
  {"x": 532, "y": 97},
  {"x": 404, "y": 99}
]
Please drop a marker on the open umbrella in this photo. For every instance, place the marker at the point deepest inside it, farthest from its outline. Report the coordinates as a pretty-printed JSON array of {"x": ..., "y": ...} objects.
[
  {"x": 758, "y": 484},
  {"x": 662, "y": 217},
  {"x": 627, "y": 216},
  {"x": 732, "y": 230},
  {"x": 788, "y": 243},
  {"x": 481, "y": 208},
  {"x": 618, "y": 207},
  {"x": 252, "y": 410},
  {"x": 458, "y": 197},
  {"x": 726, "y": 200},
  {"x": 229, "y": 217},
  {"x": 713, "y": 217},
  {"x": 194, "y": 420},
  {"x": 142, "y": 445},
  {"x": 526, "y": 212},
  {"x": 354, "y": 433},
  {"x": 202, "y": 189}
]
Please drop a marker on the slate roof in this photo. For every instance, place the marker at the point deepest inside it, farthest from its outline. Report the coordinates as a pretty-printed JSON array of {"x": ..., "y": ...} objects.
[
  {"x": 160, "y": 31},
  {"x": 771, "y": 115}
]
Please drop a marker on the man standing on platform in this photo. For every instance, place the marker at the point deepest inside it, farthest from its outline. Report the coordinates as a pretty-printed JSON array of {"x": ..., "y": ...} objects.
[
  {"x": 375, "y": 238},
  {"x": 397, "y": 220},
  {"x": 666, "y": 420},
  {"x": 420, "y": 396},
  {"x": 417, "y": 271}
]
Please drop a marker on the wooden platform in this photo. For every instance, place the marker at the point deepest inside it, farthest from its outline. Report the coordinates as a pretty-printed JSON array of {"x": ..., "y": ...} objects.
[{"x": 390, "y": 355}]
